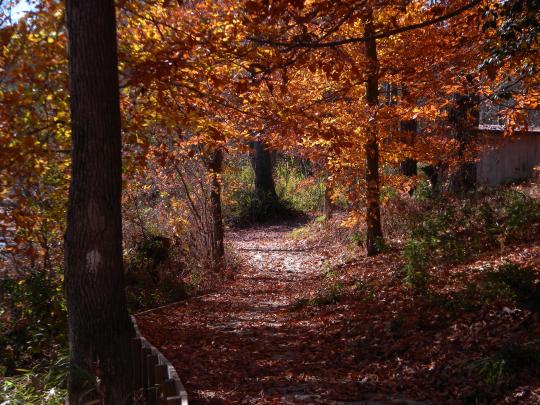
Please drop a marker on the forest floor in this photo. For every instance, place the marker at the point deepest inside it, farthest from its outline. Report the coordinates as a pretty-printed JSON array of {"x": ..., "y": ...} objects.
[{"x": 302, "y": 322}]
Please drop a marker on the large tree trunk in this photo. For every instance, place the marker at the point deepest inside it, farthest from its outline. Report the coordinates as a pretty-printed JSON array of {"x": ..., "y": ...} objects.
[
  {"x": 99, "y": 324},
  {"x": 218, "y": 250},
  {"x": 374, "y": 235},
  {"x": 262, "y": 166}
]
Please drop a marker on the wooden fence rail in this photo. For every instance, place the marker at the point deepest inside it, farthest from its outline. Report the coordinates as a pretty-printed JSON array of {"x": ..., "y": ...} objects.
[{"x": 155, "y": 375}]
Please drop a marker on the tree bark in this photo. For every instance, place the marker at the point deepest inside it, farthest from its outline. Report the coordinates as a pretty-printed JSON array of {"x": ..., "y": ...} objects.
[
  {"x": 464, "y": 118},
  {"x": 263, "y": 168},
  {"x": 434, "y": 172},
  {"x": 408, "y": 166},
  {"x": 328, "y": 205},
  {"x": 374, "y": 235},
  {"x": 218, "y": 250},
  {"x": 99, "y": 324}
]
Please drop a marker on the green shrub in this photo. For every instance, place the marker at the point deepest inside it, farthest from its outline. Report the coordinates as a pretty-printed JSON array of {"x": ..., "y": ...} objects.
[
  {"x": 456, "y": 230},
  {"x": 300, "y": 232},
  {"x": 32, "y": 320},
  {"x": 488, "y": 369},
  {"x": 381, "y": 245},
  {"x": 45, "y": 386},
  {"x": 326, "y": 295},
  {"x": 364, "y": 291},
  {"x": 142, "y": 294},
  {"x": 33, "y": 354},
  {"x": 422, "y": 190},
  {"x": 357, "y": 238},
  {"x": 151, "y": 280},
  {"x": 434, "y": 240},
  {"x": 509, "y": 360},
  {"x": 513, "y": 212},
  {"x": 508, "y": 282},
  {"x": 153, "y": 248},
  {"x": 329, "y": 294},
  {"x": 388, "y": 192}
]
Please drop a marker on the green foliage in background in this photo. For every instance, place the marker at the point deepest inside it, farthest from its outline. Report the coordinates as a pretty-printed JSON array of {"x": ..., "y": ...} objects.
[
  {"x": 298, "y": 190},
  {"x": 296, "y": 184}
]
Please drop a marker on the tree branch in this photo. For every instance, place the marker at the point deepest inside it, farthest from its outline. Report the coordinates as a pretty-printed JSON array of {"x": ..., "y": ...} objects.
[{"x": 395, "y": 31}]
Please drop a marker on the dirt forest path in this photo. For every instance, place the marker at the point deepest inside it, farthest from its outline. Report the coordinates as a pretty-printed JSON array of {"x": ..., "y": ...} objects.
[{"x": 245, "y": 344}]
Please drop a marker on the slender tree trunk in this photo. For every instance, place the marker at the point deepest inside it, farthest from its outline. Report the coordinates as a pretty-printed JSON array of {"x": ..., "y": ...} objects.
[
  {"x": 409, "y": 166},
  {"x": 328, "y": 205},
  {"x": 218, "y": 250},
  {"x": 263, "y": 168},
  {"x": 464, "y": 118},
  {"x": 434, "y": 172},
  {"x": 99, "y": 324},
  {"x": 374, "y": 236}
]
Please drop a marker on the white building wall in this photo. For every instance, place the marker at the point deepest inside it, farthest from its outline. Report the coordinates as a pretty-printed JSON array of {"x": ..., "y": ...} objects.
[{"x": 511, "y": 159}]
